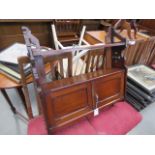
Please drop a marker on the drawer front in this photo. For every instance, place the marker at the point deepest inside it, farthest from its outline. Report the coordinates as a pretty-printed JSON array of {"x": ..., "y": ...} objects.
[
  {"x": 68, "y": 104},
  {"x": 108, "y": 89}
]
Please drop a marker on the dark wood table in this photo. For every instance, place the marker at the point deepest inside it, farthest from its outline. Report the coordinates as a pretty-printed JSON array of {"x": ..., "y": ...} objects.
[{"x": 7, "y": 83}]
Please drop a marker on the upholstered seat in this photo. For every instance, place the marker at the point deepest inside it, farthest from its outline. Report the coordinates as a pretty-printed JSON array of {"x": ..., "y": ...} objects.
[
  {"x": 117, "y": 119},
  {"x": 82, "y": 127},
  {"x": 36, "y": 126}
]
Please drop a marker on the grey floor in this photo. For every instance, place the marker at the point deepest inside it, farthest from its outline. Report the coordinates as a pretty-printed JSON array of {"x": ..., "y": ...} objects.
[
  {"x": 11, "y": 124},
  {"x": 147, "y": 125}
]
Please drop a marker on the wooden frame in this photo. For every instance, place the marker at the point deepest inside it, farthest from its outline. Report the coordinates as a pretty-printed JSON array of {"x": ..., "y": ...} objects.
[
  {"x": 24, "y": 61},
  {"x": 67, "y": 100},
  {"x": 143, "y": 76},
  {"x": 77, "y": 54},
  {"x": 31, "y": 42},
  {"x": 67, "y": 30}
]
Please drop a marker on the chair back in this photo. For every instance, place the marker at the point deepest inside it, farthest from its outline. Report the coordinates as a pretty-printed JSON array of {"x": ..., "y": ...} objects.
[
  {"x": 95, "y": 60},
  {"x": 60, "y": 66},
  {"x": 67, "y": 31},
  {"x": 67, "y": 27}
]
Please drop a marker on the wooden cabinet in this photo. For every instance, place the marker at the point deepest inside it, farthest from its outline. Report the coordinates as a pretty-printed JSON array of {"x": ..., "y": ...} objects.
[{"x": 70, "y": 99}]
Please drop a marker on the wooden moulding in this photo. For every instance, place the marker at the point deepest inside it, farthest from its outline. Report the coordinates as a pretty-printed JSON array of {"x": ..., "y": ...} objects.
[{"x": 65, "y": 101}]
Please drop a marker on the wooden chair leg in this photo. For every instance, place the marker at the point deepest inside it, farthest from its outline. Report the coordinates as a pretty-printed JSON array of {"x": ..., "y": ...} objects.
[
  {"x": 21, "y": 94},
  {"x": 8, "y": 100}
]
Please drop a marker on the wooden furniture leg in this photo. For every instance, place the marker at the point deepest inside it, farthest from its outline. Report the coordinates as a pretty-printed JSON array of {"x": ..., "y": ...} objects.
[
  {"x": 8, "y": 100},
  {"x": 21, "y": 94}
]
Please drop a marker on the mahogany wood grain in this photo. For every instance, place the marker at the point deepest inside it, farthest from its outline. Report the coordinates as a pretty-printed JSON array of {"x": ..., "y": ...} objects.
[
  {"x": 72, "y": 98},
  {"x": 6, "y": 82},
  {"x": 109, "y": 88},
  {"x": 60, "y": 84},
  {"x": 69, "y": 99},
  {"x": 94, "y": 37}
]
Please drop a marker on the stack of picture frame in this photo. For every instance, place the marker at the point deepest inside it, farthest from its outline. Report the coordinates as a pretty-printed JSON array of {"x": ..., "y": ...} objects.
[{"x": 140, "y": 90}]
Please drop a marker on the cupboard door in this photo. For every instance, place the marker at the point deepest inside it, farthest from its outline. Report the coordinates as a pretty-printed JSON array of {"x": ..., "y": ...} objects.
[
  {"x": 108, "y": 89},
  {"x": 68, "y": 104}
]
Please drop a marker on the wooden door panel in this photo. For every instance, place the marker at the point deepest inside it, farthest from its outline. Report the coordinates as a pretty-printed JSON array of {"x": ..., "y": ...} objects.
[
  {"x": 69, "y": 103},
  {"x": 65, "y": 104},
  {"x": 109, "y": 88}
]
